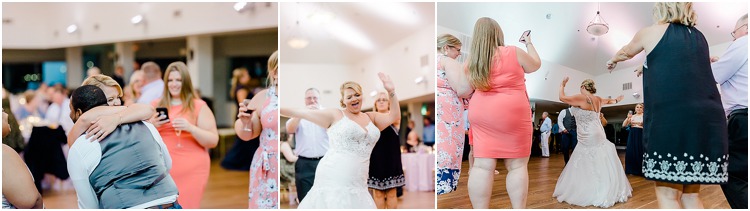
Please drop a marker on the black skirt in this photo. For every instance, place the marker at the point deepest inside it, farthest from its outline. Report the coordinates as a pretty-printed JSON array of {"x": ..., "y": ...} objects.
[
  {"x": 386, "y": 171},
  {"x": 634, "y": 152}
]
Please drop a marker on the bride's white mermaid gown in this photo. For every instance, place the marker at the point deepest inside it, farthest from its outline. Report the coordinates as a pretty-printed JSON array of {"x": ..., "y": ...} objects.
[
  {"x": 341, "y": 176},
  {"x": 594, "y": 175}
]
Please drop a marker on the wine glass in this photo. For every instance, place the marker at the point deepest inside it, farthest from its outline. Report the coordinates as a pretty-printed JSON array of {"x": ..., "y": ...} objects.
[
  {"x": 246, "y": 103},
  {"x": 179, "y": 140}
]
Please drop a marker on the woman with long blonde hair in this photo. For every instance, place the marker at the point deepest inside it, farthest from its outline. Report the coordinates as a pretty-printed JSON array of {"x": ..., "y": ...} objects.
[
  {"x": 260, "y": 118},
  {"x": 679, "y": 90},
  {"x": 188, "y": 133},
  {"x": 496, "y": 73}
]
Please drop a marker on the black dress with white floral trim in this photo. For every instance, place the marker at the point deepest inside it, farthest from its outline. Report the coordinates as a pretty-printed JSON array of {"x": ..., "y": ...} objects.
[{"x": 685, "y": 129}]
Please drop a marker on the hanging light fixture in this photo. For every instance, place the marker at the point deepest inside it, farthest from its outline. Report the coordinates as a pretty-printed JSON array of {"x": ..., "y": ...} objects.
[
  {"x": 598, "y": 26},
  {"x": 297, "y": 42}
]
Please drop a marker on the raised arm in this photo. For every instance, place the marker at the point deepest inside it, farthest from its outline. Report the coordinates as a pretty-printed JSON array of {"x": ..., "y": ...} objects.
[
  {"x": 384, "y": 120},
  {"x": 575, "y": 100},
  {"x": 456, "y": 74},
  {"x": 99, "y": 122},
  {"x": 529, "y": 61}
]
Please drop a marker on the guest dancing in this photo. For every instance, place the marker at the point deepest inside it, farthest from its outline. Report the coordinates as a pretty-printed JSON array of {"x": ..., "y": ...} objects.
[
  {"x": 496, "y": 71},
  {"x": 341, "y": 176},
  {"x": 189, "y": 114},
  {"x": 634, "y": 151},
  {"x": 449, "y": 114},
  {"x": 595, "y": 176},
  {"x": 677, "y": 78},
  {"x": 264, "y": 169},
  {"x": 386, "y": 172}
]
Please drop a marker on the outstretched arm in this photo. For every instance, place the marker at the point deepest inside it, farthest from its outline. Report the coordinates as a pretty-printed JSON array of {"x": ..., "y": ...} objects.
[
  {"x": 612, "y": 101},
  {"x": 323, "y": 118},
  {"x": 628, "y": 51},
  {"x": 384, "y": 120},
  {"x": 575, "y": 100}
]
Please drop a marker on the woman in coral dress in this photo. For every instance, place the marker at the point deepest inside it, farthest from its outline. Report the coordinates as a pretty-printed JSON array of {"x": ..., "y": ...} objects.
[
  {"x": 188, "y": 133},
  {"x": 499, "y": 112}
]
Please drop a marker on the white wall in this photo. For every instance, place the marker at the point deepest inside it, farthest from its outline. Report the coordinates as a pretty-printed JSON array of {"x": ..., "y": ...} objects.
[
  {"x": 402, "y": 61},
  {"x": 34, "y": 24},
  {"x": 294, "y": 79},
  {"x": 540, "y": 88}
]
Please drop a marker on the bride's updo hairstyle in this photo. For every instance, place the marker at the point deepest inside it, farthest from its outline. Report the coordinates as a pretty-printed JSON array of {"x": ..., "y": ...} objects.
[
  {"x": 349, "y": 85},
  {"x": 588, "y": 84}
]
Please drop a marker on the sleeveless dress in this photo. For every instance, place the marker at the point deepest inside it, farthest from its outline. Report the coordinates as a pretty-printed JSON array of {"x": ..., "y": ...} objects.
[
  {"x": 594, "y": 175},
  {"x": 685, "y": 128},
  {"x": 341, "y": 177},
  {"x": 501, "y": 117},
  {"x": 386, "y": 171},
  {"x": 241, "y": 153},
  {"x": 190, "y": 161},
  {"x": 450, "y": 133},
  {"x": 264, "y": 169},
  {"x": 634, "y": 151}
]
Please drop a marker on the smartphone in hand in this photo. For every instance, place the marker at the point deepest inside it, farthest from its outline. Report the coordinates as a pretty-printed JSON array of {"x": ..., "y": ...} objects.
[
  {"x": 162, "y": 111},
  {"x": 525, "y": 33}
]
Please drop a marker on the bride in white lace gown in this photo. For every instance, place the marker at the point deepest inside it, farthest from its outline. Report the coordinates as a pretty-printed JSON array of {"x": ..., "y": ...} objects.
[
  {"x": 341, "y": 176},
  {"x": 594, "y": 176}
]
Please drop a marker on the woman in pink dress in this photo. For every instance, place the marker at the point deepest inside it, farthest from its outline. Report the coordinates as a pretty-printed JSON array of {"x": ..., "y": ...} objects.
[
  {"x": 449, "y": 112},
  {"x": 499, "y": 112},
  {"x": 188, "y": 133},
  {"x": 264, "y": 169}
]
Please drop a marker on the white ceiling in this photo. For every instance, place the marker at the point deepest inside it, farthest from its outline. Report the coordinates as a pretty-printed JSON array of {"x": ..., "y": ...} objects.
[
  {"x": 328, "y": 41},
  {"x": 563, "y": 39}
]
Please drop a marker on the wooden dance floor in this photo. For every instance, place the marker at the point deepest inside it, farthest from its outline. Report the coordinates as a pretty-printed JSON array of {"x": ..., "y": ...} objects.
[
  {"x": 410, "y": 200},
  {"x": 543, "y": 174},
  {"x": 225, "y": 190}
]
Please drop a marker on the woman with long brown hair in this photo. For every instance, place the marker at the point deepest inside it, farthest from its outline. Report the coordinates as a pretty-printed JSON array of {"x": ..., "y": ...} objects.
[
  {"x": 188, "y": 133},
  {"x": 496, "y": 72}
]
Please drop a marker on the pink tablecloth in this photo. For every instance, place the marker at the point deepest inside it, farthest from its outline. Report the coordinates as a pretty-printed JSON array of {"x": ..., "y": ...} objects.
[{"x": 419, "y": 171}]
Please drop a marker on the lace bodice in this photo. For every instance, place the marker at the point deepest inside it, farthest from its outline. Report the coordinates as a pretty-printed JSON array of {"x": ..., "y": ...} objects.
[
  {"x": 347, "y": 136},
  {"x": 588, "y": 125}
]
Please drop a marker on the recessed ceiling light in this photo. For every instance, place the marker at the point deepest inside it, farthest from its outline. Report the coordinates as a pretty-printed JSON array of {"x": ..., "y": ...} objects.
[
  {"x": 298, "y": 43},
  {"x": 136, "y": 19},
  {"x": 72, "y": 28},
  {"x": 239, "y": 6}
]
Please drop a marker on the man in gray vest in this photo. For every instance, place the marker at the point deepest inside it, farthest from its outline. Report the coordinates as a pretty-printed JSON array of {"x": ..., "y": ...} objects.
[
  {"x": 567, "y": 123},
  {"x": 311, "y": 143},
  {"x": 128, "y": 169}
]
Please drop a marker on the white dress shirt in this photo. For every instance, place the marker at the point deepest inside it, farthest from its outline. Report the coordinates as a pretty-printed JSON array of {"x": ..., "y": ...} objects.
[
  {"x": 60, "y": 114},
  {"x": 560, "y": 118},
  {"x": 84, "y": 156},
  {"x": 311, "y": 140},
  {"x": 151, "y": 92},
  {"x": 546, "y": 125},
  {"x": 731, "y": 73}
]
